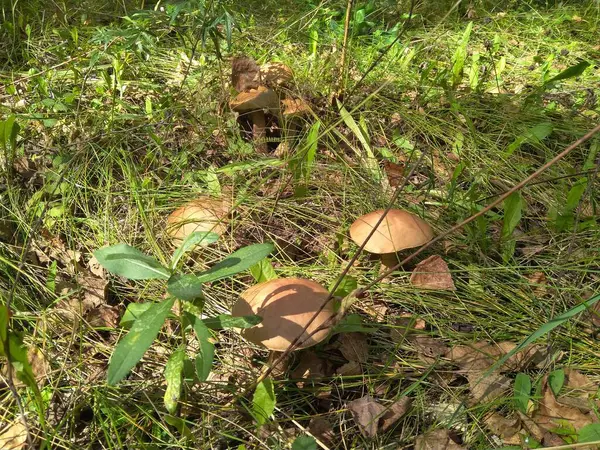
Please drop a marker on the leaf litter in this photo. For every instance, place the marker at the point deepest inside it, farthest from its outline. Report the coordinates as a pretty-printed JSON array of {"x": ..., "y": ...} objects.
[
  {"x": 371, "y": 416},
  {"x": 432, "y": 273}
]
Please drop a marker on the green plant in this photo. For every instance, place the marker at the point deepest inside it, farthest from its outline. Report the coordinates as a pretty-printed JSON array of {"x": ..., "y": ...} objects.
[{"x": 146, "y": 319}]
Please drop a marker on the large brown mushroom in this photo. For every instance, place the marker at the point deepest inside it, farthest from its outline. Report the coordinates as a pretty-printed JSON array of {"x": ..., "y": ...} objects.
[
  {"x": 202, "y": 214},
  {"x": 275, "y": 74},
  {"x": 398, "y": 230},
  {"x": 254, "y": 102},
  {"x": 286, "y": 305}
]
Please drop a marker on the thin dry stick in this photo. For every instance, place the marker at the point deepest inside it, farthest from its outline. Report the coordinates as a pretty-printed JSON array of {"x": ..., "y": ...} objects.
[
  {"x": 296, "y": 342},
  {"x": 361, "y": 291},
  {"x": 499, "y": 200}
]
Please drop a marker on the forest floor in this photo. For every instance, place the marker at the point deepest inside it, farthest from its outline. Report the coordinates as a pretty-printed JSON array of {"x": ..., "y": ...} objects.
[{"x": 120, "y": 119}]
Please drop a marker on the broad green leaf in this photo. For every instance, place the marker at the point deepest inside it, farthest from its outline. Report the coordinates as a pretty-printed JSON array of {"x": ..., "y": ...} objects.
[
  {"x": 513, "y": 207},
  {"x": 186, "y": 287},
  {"x": 203, "y": 238},
  {"x": 346, "y": 286},
  {"x": 544, "y": 329},
  {"x": 590, "y": 433},
  {"x": 129, "y": 262},
  {"x": 352, "y": 323},
  {"x": 263, "y": 402},
  {"x": 22, "y": 368},
  {"x": 206, "y": 352},
  {"x": 566, "y": 218},
  {"x": 237, "y": 262},
  {"x": 556, "y": 380},
  {"x": 460, "y": 55},
  {"x": 180, "y": 425},
  {"x": 263, "y": 271},
  {"x": 522, "y": 392},
  {"x": 141, "y": 335},
  {"x": 570, "y": 72},
  {"x": 226, "y": 321},
  {"x": 533, "y": 135},
  {"x": 133, "y": 312},
  {"x": 173, "y": 371},
  {"x": 304, "y": 443}
]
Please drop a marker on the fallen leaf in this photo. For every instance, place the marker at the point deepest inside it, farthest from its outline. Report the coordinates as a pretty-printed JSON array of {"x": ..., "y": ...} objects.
[
  {"x": 354, "y": 347},
  {"x": 394, "y": 172},
  {"x": 310, "y": 366},
  {"x": 321, "y": 429},
  {"x": 95, "y": 268},
  {"x": 95, "y": 290},
  {"x": 104, "y": 316},
  {"x": 538, "y": 282},
  {"x": 366, "y": 412},
  {"x": 595, "y": 314},
  {"x": 428, "y": 348},
  {"x": 39, "y": 364},
  {"x": 552, "y": 414},
  {"x": 350, "y": 368},
  {"x": 405, "y": 325},
  {"x": 505, "y": 428},
  {"x": 395, "y": 412},
  {"x": 436, "y": 440},
  {"x": 14, "y": 437},
  {"x": 531, "y": 427},
  {"x": 479, "y": 356},
  {"x": 432, "y": 273},
  {"x": 485, "y": 389}
]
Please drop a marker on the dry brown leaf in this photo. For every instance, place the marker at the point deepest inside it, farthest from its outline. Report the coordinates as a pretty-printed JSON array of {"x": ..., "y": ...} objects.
[
  {"x": 366, "y": 412},
  {"x": 405, "y": 325},
  {"x": 321, "y": 429},
  {"x": 104, "y": 316},
  {"x": 531, "y": 427},
  {"x": 350, "y": 368},
  {"x": 39, "y": 364},
  {"x": 479, "y": 356},
  {"x": 428, "y": 348},
  {"x": 551, "y": 412},
  {"x": 595, "y": 314},
  {"x": 436, "y": 440},
  {"x": 485, "y": 389},
  {"x": 538, "y": 281},
  {"x": 394, "y": 172},
  {"x": 95, "y": 290},
  {"x": 354, "y": 347},
  {"x": 14, "y": 437},
  {"x": 395, "y": 412},
  {"x": 48, "y": 248},
  {"x": 95, "y": 268},
  {"x": 310, "y": 366},
  {"x": 432, "y": 273},
  {"x": 506, "y": 429}
]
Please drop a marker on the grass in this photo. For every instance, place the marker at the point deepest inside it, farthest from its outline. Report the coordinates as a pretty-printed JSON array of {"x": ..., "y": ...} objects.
[{"x": 108, "y": 168}]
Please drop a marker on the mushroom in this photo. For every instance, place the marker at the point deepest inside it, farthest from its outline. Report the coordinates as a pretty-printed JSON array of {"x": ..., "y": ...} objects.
[
  {"x": 398, "y": 230},
  {"x": 275, "y": 74},
  {"x": 286, "y": 305},
  {"x": 202, "y": 214},
  {"x": 254, "y": 102},
  {"x": 293, "y": 110}
]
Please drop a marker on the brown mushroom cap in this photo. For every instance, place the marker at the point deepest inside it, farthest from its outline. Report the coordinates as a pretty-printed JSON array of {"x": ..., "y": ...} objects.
[
  {"x": 295, "y": 107},
  {"x": 202, "y": 214},
  {"x": 254, "y": 100},
  {"x": 275, "y": 73},
  {"x": 399, "y": 230},
  {"x": 286, "y": 306}
]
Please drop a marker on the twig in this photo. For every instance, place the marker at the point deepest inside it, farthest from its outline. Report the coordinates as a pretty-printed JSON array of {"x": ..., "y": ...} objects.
[
  {"x": 296, "y": 341},
  {"x": 495, "y": 203}
]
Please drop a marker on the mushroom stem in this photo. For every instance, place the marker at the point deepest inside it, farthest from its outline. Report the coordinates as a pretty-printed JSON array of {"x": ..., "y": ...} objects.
[
  {"x": 388, "y": 260},
  {"x": 258, "y": 130}
]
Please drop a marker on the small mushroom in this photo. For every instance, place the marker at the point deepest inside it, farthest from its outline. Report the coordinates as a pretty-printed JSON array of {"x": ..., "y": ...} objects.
[
  {"x": 202, "y": 214},
  {"x": 293, "y": 110},
  {"x": 286, "y": 305},
  {"x": 398, "y": 230},
  {"x": 275, "y": 74},
  {"x": 255, "y": 102}
]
